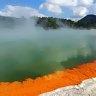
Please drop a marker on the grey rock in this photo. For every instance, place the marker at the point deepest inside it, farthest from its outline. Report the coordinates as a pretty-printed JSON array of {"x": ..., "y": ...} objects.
[{"x": 86, "y": 88}]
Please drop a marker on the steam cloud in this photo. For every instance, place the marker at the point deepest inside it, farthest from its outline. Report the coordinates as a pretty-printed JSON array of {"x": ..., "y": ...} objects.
[{"x": 30, "y": 51}]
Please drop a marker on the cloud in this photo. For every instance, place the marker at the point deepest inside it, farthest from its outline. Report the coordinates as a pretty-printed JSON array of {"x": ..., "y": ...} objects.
[
  {"x": 19, "y": 11},
  {"x": 80, "y": 11},
  {"x": 85, "y": 2},
  {"x": 66, "y": 3},
  {"x": 78, "y": 7},
  {"x": 51, "y": 8},
  {"x": 94, "y": 8},
  {"x": 70, "y": 3},
  {"x": 55, "y": 6}
]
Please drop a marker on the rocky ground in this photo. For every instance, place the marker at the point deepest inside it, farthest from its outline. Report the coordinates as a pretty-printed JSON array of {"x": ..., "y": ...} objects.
[{"x": 86, "y": 88}]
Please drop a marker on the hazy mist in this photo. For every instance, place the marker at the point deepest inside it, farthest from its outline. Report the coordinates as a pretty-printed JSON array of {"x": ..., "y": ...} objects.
[{"x": 30, "y": 51}]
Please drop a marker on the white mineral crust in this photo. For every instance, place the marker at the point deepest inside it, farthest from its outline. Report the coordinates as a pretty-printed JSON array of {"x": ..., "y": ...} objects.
[{"x": 86, "y": 88}]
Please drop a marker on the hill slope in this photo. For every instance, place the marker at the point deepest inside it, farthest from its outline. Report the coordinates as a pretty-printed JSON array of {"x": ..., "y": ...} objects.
[{"x": 88, "y": 21}]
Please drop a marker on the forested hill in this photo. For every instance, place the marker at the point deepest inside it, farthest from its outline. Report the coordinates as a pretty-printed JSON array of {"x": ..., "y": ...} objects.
[
  {"x": 88, "y": 22},
  {"x": 54, "y": 23}
]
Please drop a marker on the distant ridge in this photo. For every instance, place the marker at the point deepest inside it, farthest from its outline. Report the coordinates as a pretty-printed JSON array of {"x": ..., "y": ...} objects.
[{"x": 88, "y": 21}]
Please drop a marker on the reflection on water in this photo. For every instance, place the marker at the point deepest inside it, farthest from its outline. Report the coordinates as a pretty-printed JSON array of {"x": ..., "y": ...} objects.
[{"x": 28, "y": 55}]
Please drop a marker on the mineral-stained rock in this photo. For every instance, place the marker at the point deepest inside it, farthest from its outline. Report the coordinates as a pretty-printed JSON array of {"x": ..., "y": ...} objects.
[
  {"x": 86, "y": 88},
  {"x": 54, "y": 81}
]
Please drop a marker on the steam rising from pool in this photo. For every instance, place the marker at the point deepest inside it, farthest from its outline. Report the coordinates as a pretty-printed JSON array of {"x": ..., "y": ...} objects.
[{"x": 29, "y": 51}]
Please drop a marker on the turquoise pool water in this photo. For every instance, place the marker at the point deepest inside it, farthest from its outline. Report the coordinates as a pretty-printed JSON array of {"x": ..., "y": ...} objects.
[{"x": 36, "y": 52}]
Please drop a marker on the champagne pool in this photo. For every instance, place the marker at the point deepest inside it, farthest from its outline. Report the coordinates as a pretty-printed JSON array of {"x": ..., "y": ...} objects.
[{"x": 33, "y": 52}]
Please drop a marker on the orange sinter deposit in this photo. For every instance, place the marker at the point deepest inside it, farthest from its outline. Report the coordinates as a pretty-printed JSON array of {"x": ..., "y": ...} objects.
[{"x": 50, "y": 82}]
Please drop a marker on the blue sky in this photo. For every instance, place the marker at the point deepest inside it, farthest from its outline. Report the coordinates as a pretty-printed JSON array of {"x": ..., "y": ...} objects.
[
  {"x": 55, "y": 8},
  {"x": 31, "y": 3}
]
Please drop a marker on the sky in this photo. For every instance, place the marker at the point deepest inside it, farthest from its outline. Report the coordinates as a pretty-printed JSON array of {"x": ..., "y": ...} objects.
[{"x": 70, "y": 9}]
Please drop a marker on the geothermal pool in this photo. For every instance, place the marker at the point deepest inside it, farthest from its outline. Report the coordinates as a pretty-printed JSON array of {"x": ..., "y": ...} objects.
[{"x": 32, "y": 52}]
